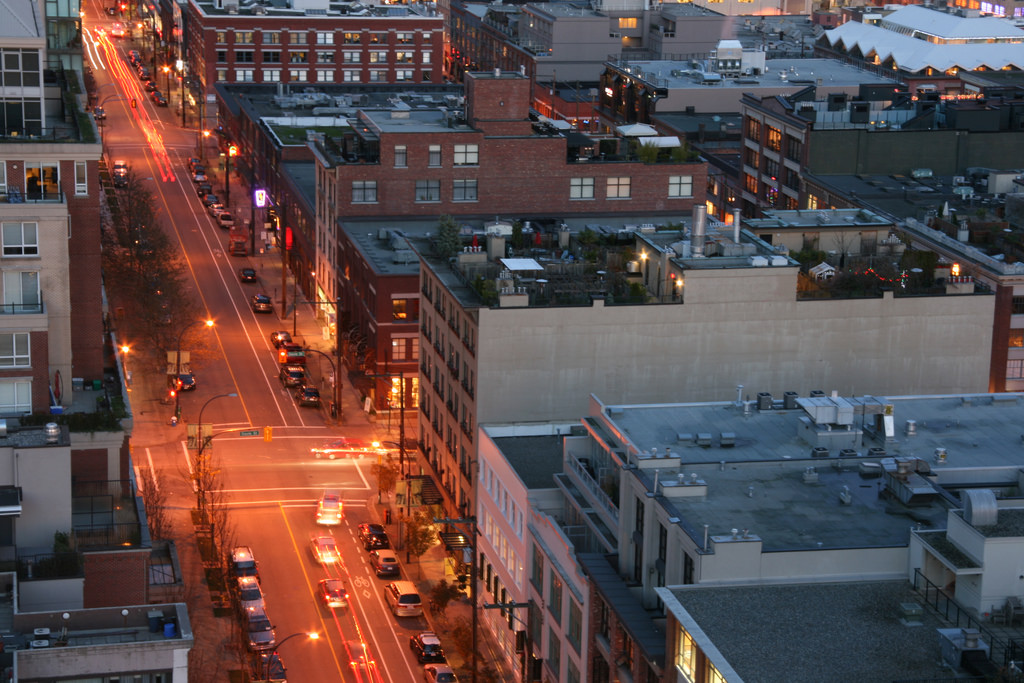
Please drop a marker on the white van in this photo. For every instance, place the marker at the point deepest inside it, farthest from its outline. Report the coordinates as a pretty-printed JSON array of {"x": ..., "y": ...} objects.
[{"x": 403, "y": 599}]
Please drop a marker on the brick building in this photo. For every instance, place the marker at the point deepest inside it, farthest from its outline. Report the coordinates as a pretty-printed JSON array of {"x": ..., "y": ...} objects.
[{"x": 326, "y": 43}]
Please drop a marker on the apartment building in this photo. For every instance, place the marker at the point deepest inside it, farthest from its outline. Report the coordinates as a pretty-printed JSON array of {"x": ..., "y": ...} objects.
[
  {"x": 616, "y": 327},
  {"x": 311, "y": 43}
]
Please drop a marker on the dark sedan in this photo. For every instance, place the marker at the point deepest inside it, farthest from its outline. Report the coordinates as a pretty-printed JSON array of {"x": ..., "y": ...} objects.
[
  {"x": 308, "y": 396},
  {"x": 261, "y": 304}
]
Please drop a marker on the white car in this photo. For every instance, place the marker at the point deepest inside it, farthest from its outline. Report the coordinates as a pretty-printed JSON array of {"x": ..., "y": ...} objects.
[
  {"x": 329, "y": 510},
  {"x": 250, "y": 597},
  {"x": 325, "y": 550},
  {"x": 215, "y": 208},
  {"x": 439, "y": 673}
]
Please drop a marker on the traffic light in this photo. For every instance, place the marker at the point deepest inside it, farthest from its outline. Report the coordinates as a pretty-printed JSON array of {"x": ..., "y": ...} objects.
[
  {"x": 173, "y": 393},
  {"x": 268, "y": 434}
]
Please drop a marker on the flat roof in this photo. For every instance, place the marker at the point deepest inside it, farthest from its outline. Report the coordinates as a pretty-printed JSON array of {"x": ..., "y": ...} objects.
[
  {"x": 758, "y": 483},
  {"x": 536, "y": 459},
  {"x": 807, "y": 633},
  {"x": 788, "y": 74}
]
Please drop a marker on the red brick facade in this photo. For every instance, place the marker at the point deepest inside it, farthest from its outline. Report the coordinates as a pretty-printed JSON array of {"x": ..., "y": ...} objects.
[
  {"x": 116, "y": 577},
  {"x": 84, "y": 273}
]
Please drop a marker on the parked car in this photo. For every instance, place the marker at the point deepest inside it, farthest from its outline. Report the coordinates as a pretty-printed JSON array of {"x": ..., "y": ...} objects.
[
  {"x": 134, "y": 58},
  {"x": 185, "y": 381},
  {"x": 427, "y": 647},
  {"x": 261, "y": 632},
  {"x": 120, "y": 173},
  {"x": 402, "y": 599},
  {"x": 292, "y": 375},
  {"x": 325, "y": 549},
  {"x": 261, "y": 304},
  {"x": 250, "y": 596},
  {"x": 149, "y": 86},
  {"x": 329, "y": 511},
  {"x": 112, "y": 10},
  {"x": 373, "y": 536},
  {"x": 225, "y": 220},
  {"x": 158, "y": 98},
  {"x": 203, "y": 189},
  {"x": 308, "y": 396},
  {"x": 199, "y": 177},
  {"x": 194, "y": 163},
  {"x": 439, "y": 673},
  {"x": 384, "y": 563},
  {"x": 243, "y": 563},
  {"x": 99, "y": 114},
  {"x": 144, "y": 74},
  {"x": 210, "y": 199},
  {"x": 247, "y": 275},
  {"x": 290, "y": 353},
  {"x": 332, "y": 593},
  {"x": 280, "y": 337},
  {"x": 215, "y": 209}
]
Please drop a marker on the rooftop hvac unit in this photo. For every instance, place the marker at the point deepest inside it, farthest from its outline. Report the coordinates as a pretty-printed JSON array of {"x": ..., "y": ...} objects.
[
  {"x": 764, "y": 400},
  {"x": 980, "y": 507}
]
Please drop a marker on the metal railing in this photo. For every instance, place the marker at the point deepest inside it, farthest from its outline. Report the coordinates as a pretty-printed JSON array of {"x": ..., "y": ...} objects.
[{"x": 21, "y": 309}]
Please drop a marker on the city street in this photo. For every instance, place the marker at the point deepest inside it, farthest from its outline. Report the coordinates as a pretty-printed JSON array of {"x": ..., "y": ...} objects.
[{"x": 271, "y": 488}]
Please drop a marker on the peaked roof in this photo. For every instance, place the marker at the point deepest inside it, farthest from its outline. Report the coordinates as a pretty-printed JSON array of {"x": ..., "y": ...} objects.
[
  {"x": 914, "y": 55},
  {"x": 951, "y": 26}
]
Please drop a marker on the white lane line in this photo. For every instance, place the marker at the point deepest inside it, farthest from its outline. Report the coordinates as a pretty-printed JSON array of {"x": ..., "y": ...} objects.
[
  {"x": 152, "y": 469},
  {"x": 188, "y": 461}
]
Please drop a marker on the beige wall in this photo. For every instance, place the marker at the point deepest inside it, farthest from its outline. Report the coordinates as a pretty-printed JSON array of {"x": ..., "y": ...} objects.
[
  {"x": 737, "y": 326},
  {"x": 44, "y": 475}
]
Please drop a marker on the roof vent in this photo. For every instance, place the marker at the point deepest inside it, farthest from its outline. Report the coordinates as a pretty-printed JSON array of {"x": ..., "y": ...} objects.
[{"x": 980, "y": 507}]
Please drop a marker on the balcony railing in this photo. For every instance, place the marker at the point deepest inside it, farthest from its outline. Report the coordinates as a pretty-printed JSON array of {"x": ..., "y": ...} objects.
[
  {"x": 21, "y": 309},
  {"x": 16, "y": 196}
]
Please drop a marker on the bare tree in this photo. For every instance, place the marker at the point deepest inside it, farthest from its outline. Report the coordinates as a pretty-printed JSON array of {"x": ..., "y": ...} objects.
[{"x": 153, "y": 489}]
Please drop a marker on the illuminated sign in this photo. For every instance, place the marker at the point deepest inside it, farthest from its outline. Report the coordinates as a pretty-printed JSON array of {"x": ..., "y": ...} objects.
[{"x": 260, "y": 198}]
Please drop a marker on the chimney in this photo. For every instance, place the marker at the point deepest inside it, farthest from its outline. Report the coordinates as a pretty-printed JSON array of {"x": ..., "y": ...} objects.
[{"x": 700, "y": 222}]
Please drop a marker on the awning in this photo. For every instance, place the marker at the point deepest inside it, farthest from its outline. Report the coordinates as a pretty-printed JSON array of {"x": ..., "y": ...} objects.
[
  {"x": 636, "y": 130},
  {"x": 453, "y": 540},
  {"x": 10, "y": 501},
  {"x": 426, "y": 488},
  {"x": 662, "y": 141},
  {"x": 520, "y": 264}
]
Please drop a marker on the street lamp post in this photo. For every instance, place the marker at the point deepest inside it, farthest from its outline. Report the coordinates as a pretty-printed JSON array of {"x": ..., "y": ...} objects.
[
  {"x": 177, "y": 365},
  {"x": 232, "y": 151},
  {"x": 201, "y": 143},
  {"x": 313, "y": 635},
  {"x": 337, "y": 344},
  {"x": 528, "y": 645},
  {"x": 337, "y": 378},
  {"x": 167, "y": 80},
  {"x": 200, "y": 472}
]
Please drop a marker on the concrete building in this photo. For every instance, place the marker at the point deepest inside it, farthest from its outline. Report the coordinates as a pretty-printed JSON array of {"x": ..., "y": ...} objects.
[
  {"x": 748, "y": 320},
  {"x": 50, "y": 191}
]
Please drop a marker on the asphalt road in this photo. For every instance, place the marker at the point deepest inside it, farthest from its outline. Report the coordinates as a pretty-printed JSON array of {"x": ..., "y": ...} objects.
[{"x": 271, "y": 488}]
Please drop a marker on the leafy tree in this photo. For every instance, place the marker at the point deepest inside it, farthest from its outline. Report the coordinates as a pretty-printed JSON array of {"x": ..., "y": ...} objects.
[
  {"x": 647, "y": 152},
  {"x": 419, "y": 532},
  {"x": 448, "y": 243},
  {"x": 517, "y": 234},
  {"x": 386, "y": 473}
]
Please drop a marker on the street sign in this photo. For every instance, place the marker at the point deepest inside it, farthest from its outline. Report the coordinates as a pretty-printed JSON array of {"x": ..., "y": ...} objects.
[{"x": 249, "y": 432}]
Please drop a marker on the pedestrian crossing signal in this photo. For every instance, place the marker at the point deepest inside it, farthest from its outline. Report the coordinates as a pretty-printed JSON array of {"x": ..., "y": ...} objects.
[{"x": 268, "y": 434}]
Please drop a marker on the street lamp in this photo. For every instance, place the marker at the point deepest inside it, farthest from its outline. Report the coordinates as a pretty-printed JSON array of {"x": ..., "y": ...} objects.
[
  {"x": 177, "y": 367},
  {"x": 337, "y": 380},
  {"x": 167, "y": 80},
  {"x": 313, "y": 635},
  {"x": 232, "y": 151},
  {"x": 124, "y": 363},
  {"x": 201, "y": 143},
  {"x": 200, "y": 472}
]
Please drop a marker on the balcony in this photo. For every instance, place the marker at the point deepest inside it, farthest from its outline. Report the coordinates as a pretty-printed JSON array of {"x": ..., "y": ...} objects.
[
  {"x": 601, "y": 496},
  {"x": 21, "y": 309},
  {"x": 36, "y": 196}
]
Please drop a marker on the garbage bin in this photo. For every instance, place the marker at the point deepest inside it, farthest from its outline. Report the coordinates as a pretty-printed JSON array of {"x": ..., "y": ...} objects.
[
  {"x": 156, "y": 618},
  {"x": 170, "y": 628}
]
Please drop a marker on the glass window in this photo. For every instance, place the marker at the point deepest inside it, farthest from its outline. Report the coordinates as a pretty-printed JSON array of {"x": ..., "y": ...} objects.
[
  {"x": 753, "y": 129},
  {"x": 686, "y": 653},
  {"x": 325, "y": 76},
  {"x": 774, "y": 139},
  {"x": 425, "y": 76},
  {"x": 1017, "y": 305},
  {"x": 351, "y": 76},
  {"x": 405, "y": 309},
  {"x": 364, "y": 191},
  {"x": 3, "y": 177},
  {"x": 1015, "y": 369},
  {"x": 378, "y": 75},
  {"x": 537, "y": 570},
  {"x": 581, "y": 188},
  {"x": 378, "y": 57},
  {"x": 222, "y": 37},
  {"x": 400, "y": 156},
  {"x": 271, "y": 75},
  {"x": 244, "y": 56},
  {"x": 403, "y": 38},
  {"x": 627, "y": 22},
  {"x": 352, "y": 38},
  {"x": 680, "y": 186},
  {"x": 749, "y": 183},
  {"x": 618, "y": 188},
  {"x": 14, "y": 350},
  {"x": 554, "y": 653},
  {"x": 81, "y": 178},
  {"x": 403, "y": 74},
  {"x": 20, "y": 239},
  {"x": 794, "y": 148},
  {"x": 21, "y": 292},
  {"x": 573, "y": 673},
  {"x": 771, "y": 168},
  {"x": 16, "y": 397},
  {"x": 555, "y": 597},
  {"x": 434, "y": 158},
  {"x": 351, "y": 57},
  {"x": 466, "y": 155},
  {"x": 1016, "y": 339},
  {"x": 298, "y": 75},
  {"x": 245, "y": 75},
  {"x": 751, "y": 157},
  {"x": 222, "y": 56},
  {"x": 404, "y": 57},
  {"x": 271, "y": 37},
  {"x": 297, "y": 38},
  {"x": 298, "y": 57},
  {"x": 464, "y": 190},
  {"x": 243, "y": 37},
  {"x": 325, "y": 57},
  {"x": 222, "y": 75},
  {"x": 425, "y": 57},
  {"x": 428, "y": 190},
  {"x": 272, "y": 57},
  {"x": 325, "y": 38},
  {"x": 42, "y": 180},
  {"x": 575, "y": 625}
]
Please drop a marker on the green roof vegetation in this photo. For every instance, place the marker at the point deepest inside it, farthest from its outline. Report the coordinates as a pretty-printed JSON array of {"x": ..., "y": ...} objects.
[{"x": 297, "y": 135}]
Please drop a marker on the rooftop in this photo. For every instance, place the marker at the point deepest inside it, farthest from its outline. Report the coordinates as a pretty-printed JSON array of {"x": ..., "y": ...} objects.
[
  {"x": 315, "y": 9},
  {"x": 832, "y": 631},
  {"x": 734, "y": 466},
  {"x": 788, "y": 74},
  {"x": 536, "y": 459}
]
